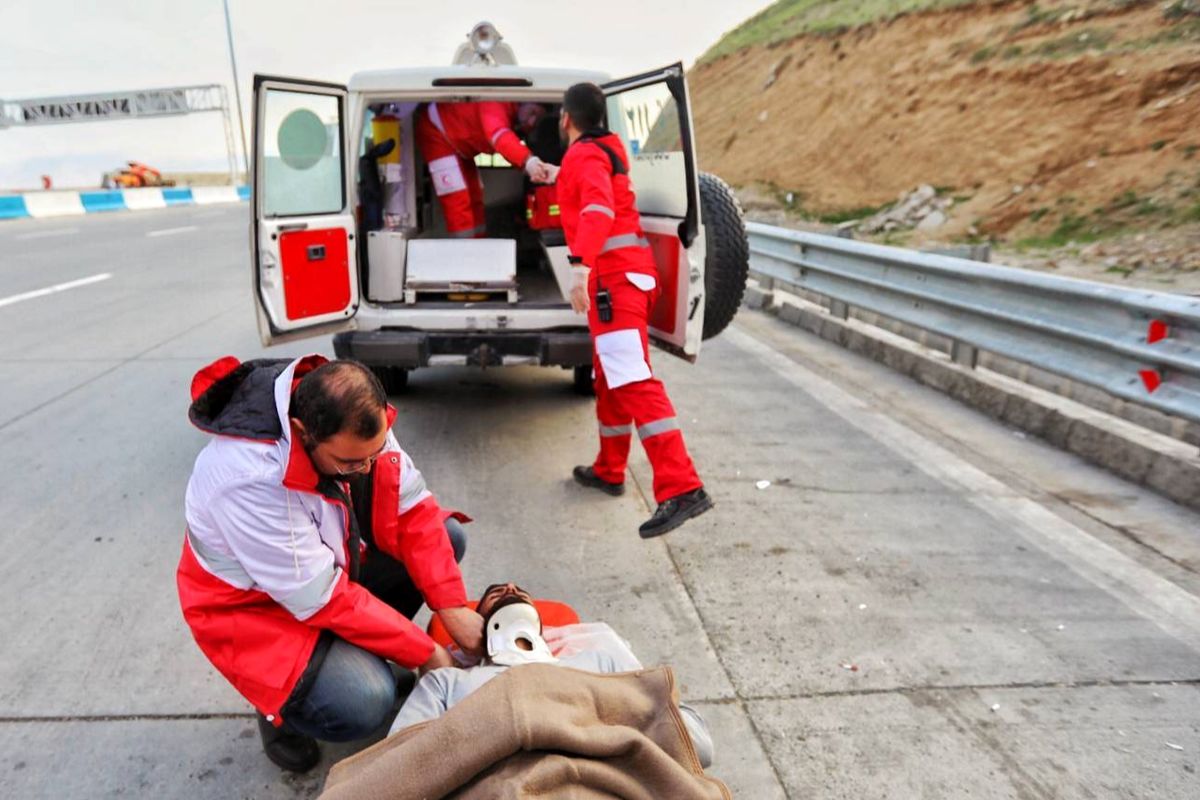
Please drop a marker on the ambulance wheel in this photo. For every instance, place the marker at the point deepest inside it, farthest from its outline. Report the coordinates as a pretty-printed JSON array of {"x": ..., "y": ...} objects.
[
  {"x": 583, "y": 381},
  {"x": 727, "y": 259},
  {"x": 394, "y": 379}
]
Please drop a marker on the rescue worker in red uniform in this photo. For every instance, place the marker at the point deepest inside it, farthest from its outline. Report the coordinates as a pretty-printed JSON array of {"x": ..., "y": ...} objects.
[
  {"x": 614, "y": 281},
  {"x": 311, "y": 542},
  {"x": 450, "y": 135}
]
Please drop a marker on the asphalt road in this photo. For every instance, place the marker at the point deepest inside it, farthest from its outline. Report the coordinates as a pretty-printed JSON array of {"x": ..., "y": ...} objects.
[{"x": 922, "y": 604}]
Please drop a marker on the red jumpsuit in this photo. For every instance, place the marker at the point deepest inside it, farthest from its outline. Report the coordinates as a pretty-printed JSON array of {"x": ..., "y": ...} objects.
[
  {"x": 604, "y": 232},
  {"x": 450, "y": 135}
]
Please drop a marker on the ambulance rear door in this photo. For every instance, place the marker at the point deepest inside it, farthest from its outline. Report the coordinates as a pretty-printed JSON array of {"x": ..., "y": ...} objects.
[
  {"x": 302, "y": 237},
  {"x": 650, "y": 112}
]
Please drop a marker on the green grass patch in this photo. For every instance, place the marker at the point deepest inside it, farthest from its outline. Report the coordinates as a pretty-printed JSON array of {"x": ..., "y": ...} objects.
[
  {"x": 1038, "y": 213},
  {"x": 983, "y": 54},
  {"x": 1190, "y": 214},
  {"x": 1072, "y": 228},
  {"x": 1036, "y": 15},
  {"x": 1075, "y": 43},
  {"x": 787, "y": 19},
  {"x": 838, "y": 217},
  {"x": 1159, "y": 145}
]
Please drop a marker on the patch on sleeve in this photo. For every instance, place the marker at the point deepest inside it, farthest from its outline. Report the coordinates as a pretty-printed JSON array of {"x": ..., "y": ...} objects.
[
  {"x": 622, "y": 357},
  {"x": 447, "y": 175}
]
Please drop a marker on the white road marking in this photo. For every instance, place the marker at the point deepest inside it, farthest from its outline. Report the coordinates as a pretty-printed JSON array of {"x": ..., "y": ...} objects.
[
  {"x": 58, "y": 287},
  {"x": 46, "y": 234},
  {"x": 171, "y": 231},
  {"x": 1169, "y": 606}
]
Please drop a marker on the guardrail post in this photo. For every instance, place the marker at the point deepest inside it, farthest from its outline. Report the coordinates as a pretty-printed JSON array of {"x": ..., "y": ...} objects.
[
  {"x": 839, "y": 309},
  {"x": 963, "y": 353}
]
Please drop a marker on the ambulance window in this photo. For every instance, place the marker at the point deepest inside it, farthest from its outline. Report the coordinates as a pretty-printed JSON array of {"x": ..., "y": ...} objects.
[
  {"x": 302, "y": 154},
  {"x": 647, "y": 119}
]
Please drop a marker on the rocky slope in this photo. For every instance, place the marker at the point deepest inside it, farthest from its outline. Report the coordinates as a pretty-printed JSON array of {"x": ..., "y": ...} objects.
[{"x": 1050, "y": 124}]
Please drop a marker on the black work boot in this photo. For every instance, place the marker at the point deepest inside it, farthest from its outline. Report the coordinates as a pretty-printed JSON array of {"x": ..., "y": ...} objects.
[
  {"x": 586, "y": 476},
  {"x": 288, "y": 750},
  {"x": 674, "y": 511}
]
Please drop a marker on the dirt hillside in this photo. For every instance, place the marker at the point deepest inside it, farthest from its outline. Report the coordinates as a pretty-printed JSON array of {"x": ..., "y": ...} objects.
[{"x": 1043, "y": 123}]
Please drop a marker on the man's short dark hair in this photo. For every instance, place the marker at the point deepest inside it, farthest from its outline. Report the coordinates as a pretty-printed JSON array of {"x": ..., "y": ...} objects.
[
  {"x": 339, "y": 396},
  {"x": 586, "y": 104}
]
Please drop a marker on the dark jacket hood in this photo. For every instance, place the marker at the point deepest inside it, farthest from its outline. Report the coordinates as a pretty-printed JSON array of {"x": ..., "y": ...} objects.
[{"x": 234, "y": 398}]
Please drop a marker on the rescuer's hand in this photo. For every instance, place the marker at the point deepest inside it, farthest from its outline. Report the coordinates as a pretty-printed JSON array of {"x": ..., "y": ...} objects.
[
  {"x": 465, "y": 628},
  {"x": 551, "y": 173},
  {"x": 537, "y": 170},
  {"x": 579, "y": 290},
  {"x": 441, "y": 658}
]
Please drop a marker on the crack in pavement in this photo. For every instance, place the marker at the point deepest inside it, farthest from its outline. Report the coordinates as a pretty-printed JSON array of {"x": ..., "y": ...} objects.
[
  {"x": 738, "y": 698},
  {"x": 219, "y": 715},
  {"x": 973, "y": 687}
]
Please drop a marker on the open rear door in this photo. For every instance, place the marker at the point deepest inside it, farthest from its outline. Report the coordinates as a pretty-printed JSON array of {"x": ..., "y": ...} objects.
[
  {"x": 650, "y": 112},
  {"x": 305, "y": 261}
]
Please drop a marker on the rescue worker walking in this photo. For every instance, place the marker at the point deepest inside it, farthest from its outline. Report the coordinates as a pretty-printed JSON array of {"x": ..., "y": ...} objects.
[
  {"x": 614, "y": 281},
  {"x": 450, "y": 135},
  {"x": 311, "y": 542}
]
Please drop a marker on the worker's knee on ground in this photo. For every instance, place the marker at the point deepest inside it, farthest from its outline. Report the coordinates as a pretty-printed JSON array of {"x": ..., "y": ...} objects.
[
  {"x": 458, "y": 538},
  {"x": 364, "y": 709},
  {"x": 352, "y": 697}
]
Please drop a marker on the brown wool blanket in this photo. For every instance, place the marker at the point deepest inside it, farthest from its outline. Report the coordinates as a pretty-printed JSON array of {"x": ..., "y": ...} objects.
[{"x": 540, "y": 731}]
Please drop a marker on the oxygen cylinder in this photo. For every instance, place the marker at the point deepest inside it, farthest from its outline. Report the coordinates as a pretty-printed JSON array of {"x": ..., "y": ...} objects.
[{"x": 384, "y": 127}]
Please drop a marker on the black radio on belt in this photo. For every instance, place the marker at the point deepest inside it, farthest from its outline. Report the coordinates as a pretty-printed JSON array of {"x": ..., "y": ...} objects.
[{"x": 603, "y": 303}]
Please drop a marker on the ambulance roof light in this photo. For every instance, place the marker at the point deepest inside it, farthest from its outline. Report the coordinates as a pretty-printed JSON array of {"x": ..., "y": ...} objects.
[
  {"x": 484, "y": 37},
  {"x": 484, "y": 46}
]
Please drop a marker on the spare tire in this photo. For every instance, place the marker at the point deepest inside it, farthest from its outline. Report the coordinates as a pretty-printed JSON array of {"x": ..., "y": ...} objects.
[{"x": 727, "y": 253}]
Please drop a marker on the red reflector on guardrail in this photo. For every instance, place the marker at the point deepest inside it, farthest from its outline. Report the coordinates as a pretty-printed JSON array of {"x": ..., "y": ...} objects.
[
  {"x": 1150, "y": 379},
  {"x": 1157, "y": 331}
]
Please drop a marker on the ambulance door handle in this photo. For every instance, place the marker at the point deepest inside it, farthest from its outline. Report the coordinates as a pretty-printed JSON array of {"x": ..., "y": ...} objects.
[{"x": 294, "y": 226}]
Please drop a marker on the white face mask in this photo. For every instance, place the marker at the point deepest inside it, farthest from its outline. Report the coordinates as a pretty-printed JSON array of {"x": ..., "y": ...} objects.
[{"x": 513, "y": 637}]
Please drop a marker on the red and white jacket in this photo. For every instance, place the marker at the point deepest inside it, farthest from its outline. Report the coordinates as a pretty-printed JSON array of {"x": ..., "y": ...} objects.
[
  {"x": 265, "y": 558},
  {"x": 475, "y": 128},
  {"x": 599, "y": 208}
]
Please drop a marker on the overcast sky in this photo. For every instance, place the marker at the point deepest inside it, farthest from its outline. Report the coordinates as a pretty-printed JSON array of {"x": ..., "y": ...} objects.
[{"x": 55, "y": 47}]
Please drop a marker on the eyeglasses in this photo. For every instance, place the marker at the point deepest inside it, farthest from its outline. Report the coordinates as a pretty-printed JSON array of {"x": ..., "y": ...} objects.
[{"x": 351, "y": 467}]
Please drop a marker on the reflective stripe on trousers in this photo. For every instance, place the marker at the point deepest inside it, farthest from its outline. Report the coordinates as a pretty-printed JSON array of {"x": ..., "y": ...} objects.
[
  {"x": 658, "y": 426},
  {"x": 616, "y": 430}
]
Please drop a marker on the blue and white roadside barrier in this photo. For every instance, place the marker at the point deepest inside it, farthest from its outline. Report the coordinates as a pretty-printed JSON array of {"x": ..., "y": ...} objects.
[{"x": 64, "y": 204}]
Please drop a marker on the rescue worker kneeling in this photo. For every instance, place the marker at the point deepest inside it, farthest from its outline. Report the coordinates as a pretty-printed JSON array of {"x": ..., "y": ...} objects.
[
  {"x": 514, "y": 636},
  {"x": 615, "y": 282},
  {"x": 450, "y": 135},
  {"x": 311, "y": 542}
]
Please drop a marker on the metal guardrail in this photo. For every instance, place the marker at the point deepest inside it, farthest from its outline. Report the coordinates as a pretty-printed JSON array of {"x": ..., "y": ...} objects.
[{"x": 1141, "y": 346}]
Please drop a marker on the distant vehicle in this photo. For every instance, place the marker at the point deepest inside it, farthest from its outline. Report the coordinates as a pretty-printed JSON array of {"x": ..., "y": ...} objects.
[
  {"x": 398, "y": 292},
  {"x": 133, "y": 176}
]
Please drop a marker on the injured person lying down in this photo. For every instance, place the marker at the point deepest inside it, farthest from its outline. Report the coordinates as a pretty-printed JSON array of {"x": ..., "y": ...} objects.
[{"x": 515, "y": 636}]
